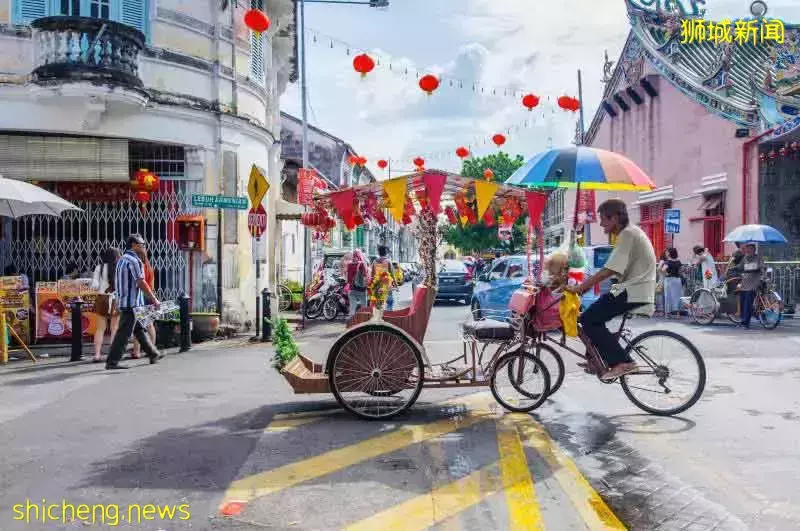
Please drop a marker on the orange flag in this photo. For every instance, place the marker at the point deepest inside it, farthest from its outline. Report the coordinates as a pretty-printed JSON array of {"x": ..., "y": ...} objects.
[{"x": 484, "y": 193}]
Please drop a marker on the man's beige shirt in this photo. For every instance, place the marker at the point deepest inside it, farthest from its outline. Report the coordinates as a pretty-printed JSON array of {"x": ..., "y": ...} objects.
[{"x": 634, "y": 260}]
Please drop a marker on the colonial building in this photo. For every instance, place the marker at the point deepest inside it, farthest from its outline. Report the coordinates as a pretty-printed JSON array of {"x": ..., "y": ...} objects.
[
  {"x": 715, "y": 125},
  {"x": 93, "y": 90},
  {"x": 329, "y": 156}
]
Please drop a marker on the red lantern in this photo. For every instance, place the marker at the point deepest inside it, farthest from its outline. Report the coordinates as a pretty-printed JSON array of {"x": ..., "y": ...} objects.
[
  {"x": 362, "y": 161},
  {"x": 363, "y": 64},
  {"x": 429, "y": 83},
  {"x": 568, "y": 103},
  {"x": 382, "y": 164},
  {"x": 782, "y": 151},
  {"x": 462, "y": 152},
  {"x": 141, "y": 197},
  {"x": 488, "y": 174},
  {"x": 256, "y": 20},
  {"x": 311, "y": 219},
  {"x": 419, "y": 162},
  {"x": 353, "y": 160},
  {"x": 762, "y": 157},
  {"x": 773, "y": 154},
  {"x": 530, "y": 101},
  {"x": 499, "y": 139}
]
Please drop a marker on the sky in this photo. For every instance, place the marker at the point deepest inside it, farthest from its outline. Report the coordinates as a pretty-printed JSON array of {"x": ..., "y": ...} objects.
[{"x": 525, "y": 45}]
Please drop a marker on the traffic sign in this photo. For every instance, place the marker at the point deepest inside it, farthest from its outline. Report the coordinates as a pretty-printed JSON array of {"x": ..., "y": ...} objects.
[
  {"x": 672, "y": 221},
  {"x": 257, "y": 186},
  {"x": 257, "y": 221},
  {"x": 219, "y": 201}
]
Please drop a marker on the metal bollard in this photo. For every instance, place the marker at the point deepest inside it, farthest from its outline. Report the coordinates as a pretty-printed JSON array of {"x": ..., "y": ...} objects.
[
  {"x": 77, "y": 331},
  {"x": 258, "y": 313},
  {"x": 266, "y": 316},
  {"x": 186, "y": 323}
]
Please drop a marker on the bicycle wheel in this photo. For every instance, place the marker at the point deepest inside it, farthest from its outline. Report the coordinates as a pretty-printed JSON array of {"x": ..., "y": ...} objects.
[
  {"x": 703, "y": 307},
  {"x": 284, "y": 298},
  {"x": 520, "y": 382},
  {"x": 314, "y": 308},
  {"x": 672, "y": 373},
  {"x": 375, "y": 372},
  {"x": 330, "y": 308},
  {"x": 552, "y": 360},
  {"x": 770, "y": 309}
]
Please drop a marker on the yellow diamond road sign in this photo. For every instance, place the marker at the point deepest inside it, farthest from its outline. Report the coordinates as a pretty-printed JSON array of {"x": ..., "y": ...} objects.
[{"x": 257, "y": 186}]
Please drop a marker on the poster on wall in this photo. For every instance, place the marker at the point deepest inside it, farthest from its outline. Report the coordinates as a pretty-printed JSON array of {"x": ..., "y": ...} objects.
[
  {"x": 53, "y": 308},
  {"x": 15, "y": 301}
]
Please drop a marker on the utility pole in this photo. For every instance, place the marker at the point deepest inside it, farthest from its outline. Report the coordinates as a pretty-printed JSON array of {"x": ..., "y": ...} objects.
[{"x": 588, "y": 227}]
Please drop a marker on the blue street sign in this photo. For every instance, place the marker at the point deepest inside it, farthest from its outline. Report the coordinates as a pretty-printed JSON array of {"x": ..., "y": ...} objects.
[{"x": 672, "y": 221}]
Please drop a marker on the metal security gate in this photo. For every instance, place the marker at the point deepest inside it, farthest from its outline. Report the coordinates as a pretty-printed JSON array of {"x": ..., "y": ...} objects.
[{"x": 43, "y": 246}]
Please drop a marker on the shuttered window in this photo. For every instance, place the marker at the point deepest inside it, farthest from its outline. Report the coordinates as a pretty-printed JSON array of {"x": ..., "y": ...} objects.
[
  {"x": 61, "y": 158},
  {"x": 131, "y": 12},
  {"x": 257, "y": 49}
]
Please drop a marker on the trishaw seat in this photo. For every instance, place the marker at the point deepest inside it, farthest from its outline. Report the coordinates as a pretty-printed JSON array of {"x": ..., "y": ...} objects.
[{"x": 487, "y": 329}]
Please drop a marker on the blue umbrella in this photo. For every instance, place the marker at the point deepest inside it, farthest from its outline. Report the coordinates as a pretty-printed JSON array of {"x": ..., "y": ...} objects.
[{"x": 755, "y": 234}]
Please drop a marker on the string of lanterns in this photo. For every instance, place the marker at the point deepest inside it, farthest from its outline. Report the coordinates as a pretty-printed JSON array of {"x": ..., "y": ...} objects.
[{"x": 784, "y": 151}]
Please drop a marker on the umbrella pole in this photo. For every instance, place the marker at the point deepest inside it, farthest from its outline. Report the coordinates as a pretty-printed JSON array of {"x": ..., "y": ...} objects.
[{"x": 575, "y": 216}]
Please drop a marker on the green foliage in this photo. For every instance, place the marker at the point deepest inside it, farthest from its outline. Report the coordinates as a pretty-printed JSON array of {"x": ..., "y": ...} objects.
[
  {"x": 479, "y": 237},
  {"x": 285, "y": 347},
  {"x": 294, "y": 286}
]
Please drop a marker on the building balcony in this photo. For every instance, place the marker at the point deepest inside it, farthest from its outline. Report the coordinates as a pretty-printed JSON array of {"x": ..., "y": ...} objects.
[{"x": 82, "y": 49}]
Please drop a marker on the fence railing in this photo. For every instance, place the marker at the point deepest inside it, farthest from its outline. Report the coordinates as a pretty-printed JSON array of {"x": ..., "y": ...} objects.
[{"x": 785, "y": 279}]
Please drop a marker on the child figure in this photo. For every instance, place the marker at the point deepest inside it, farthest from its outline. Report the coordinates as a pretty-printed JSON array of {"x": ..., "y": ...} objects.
[{"x": 556, "y": 271}]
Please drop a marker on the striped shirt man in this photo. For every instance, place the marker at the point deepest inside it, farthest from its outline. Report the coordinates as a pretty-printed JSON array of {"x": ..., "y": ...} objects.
[{"x": 129, "y": 271}]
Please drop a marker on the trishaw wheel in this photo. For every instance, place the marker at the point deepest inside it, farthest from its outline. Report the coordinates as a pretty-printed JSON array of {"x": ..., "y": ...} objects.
[
  {"x": 703, "y": 307},
  {"x": 520, "y": 382},
  {"x": 552, "y": 360},
  {"x": 376, "y": 372}
]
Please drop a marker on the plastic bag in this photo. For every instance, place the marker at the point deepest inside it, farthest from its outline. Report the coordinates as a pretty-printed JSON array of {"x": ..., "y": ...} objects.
[{"x": 576, "y": 261}]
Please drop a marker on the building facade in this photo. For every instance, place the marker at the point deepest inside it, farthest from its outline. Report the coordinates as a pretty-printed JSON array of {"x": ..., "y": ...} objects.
[
  {"x": 714, "y": 125},
  {"x": 93, "y": 90}
]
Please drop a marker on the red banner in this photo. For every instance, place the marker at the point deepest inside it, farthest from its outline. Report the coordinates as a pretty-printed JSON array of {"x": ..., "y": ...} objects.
[
  {"x": 586, "y": 205},
  {"x": 305, "y": 186}
]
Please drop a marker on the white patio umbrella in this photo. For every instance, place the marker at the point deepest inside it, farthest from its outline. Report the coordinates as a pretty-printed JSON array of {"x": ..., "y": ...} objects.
[{"x": 18, "y": 198}]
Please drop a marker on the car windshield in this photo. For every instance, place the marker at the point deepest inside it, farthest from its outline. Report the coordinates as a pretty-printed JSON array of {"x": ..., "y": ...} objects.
[{"x": 452, "y": 266}]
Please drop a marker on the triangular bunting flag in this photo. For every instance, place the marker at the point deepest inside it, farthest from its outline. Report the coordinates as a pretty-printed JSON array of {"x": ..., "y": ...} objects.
[
  {"x": 536, "y": 202},
  {"x": 488, "y": 217},
  {"x": 434, "y": 185},
  {"x": 343, "y": 203},
  {"x": 396, "y": 193},
  {"x": 484, "y": 193}
]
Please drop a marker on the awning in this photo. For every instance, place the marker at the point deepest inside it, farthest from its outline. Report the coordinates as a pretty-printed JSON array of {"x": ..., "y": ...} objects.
[{"x": 711, "y": 203}]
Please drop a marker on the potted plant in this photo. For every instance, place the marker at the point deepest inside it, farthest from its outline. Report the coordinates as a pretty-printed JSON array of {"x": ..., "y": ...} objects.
[{"x": 204, "y": 325}]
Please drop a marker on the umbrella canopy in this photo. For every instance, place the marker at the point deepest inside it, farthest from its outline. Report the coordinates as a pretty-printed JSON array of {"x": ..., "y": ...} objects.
[
  {"x": 591, "y": 168},
  {"x": 18, "y": 198},
  {"x": 755, "y": 234}
]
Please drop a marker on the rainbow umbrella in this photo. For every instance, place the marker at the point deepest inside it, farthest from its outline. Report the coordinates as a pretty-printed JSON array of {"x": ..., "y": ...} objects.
[{"x": 582, "y": 167}]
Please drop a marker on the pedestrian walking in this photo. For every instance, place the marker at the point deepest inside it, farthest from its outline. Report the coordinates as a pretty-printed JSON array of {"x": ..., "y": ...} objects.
[
  {"x": 106, "y": 307},
  {"x": 150, "y": 279},
  {"x": 358, "y": 280},
  {"x": 673, "y": 283},
  {"x": 752, "y": 276},
  {"x": 130, "y": 286}
]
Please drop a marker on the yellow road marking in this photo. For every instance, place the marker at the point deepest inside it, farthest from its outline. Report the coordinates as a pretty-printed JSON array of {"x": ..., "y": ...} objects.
[
  {"x": 523, "y": 507},
  {"x": 594, "y": 511},
  {"x": 265, "y": 483},
  {"x": 441, "y": 476},
  {"x": 441, "y": 503}
]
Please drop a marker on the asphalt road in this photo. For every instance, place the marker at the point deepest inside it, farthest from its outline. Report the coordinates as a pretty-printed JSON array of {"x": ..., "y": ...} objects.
[{"x": 217, "y": 435}]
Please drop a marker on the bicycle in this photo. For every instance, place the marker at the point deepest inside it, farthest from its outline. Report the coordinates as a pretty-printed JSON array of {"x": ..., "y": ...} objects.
[
  {"x": 641, "y": 349},
  {"x": 285, "y": 297},
  {"x": 706, "y": 304}
]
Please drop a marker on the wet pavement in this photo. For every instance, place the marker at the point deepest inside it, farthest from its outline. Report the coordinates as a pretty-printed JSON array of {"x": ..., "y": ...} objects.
[{"x": 220, "y": 431}]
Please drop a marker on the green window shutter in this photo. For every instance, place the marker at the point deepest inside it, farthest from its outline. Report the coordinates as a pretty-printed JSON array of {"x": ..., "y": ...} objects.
[
  {"x": 26, "y": 11},
  {"x": 257, "y": 57}
]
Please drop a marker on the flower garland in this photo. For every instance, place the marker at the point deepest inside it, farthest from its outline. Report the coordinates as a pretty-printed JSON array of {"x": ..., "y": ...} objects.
[{"x": 379, "y": 288}]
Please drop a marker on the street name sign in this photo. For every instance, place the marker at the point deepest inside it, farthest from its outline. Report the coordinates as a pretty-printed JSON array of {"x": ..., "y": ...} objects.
[
  {"x": 672, "y": 221},
  {"x": 219, "y": 201}
]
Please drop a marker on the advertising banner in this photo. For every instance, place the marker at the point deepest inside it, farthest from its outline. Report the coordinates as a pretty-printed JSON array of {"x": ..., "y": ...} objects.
[
  {"x": 53, "y": 308},
  {"x": 15, "y": 301}
]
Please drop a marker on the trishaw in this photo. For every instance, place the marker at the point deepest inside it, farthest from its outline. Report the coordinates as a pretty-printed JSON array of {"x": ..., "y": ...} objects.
[{"x": 378, "y": 366}]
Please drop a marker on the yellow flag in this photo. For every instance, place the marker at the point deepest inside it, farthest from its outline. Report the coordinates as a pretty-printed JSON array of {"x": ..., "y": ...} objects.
[
  {"x": 484, "y": 193},
  {"x": 396, "y": 193}
]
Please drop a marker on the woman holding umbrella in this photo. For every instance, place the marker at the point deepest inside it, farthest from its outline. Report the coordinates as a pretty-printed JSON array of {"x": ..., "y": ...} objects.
[{"x": 752, "y": 276}]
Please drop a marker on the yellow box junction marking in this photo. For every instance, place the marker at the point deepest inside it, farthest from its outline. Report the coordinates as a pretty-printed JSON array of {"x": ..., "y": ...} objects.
[
  {"x": 594, "y": 511},
  {"x": 438, "y": 505},
  {"x": 523, "y": 507},
  {"x": 265, "y": 483}
]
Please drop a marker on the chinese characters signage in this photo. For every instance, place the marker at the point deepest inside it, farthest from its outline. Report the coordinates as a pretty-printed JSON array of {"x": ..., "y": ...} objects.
[{"x": 740, "y": 32}]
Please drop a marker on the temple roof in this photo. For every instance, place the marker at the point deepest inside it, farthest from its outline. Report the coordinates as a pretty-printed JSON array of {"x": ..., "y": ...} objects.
[{"x": 745, "y": 83}]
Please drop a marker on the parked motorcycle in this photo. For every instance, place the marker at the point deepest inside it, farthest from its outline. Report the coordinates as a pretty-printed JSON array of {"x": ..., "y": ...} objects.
[
  {"x": 336, "y": 301},
  {"x": 315, "y": 298}
]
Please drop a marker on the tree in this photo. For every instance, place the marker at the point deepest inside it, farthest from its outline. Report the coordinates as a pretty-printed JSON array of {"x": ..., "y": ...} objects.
[{"x": 479, "y": 237}]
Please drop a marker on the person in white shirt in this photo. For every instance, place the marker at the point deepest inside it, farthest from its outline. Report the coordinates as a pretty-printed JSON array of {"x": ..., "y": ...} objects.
[
  {"x": 633, "y": 262},
  {"x": 103, "y": 282},
  {"x": 708, "y": 269}
]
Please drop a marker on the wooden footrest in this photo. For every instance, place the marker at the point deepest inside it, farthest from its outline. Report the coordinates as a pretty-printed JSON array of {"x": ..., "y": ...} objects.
[
  {"x": 305, "y": 376},
  {"x": 447, "y": 372}
]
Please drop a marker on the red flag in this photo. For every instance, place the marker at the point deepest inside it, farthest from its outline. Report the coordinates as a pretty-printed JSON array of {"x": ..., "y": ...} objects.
[
  {"x": 343, "y": 203},
  {"x": 434, "y": 185},
  {"x": 488, "y": 217},
  {"x": 536, "y": 202}
]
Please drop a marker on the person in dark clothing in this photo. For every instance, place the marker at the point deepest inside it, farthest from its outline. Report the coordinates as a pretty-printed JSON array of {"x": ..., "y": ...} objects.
[
  {"x": 130, "y": 286},
  {"x": 673, "y": 284}
]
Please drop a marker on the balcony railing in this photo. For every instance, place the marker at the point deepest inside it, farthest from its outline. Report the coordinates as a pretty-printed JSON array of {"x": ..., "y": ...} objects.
[{"x": 87, "y": 49}]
